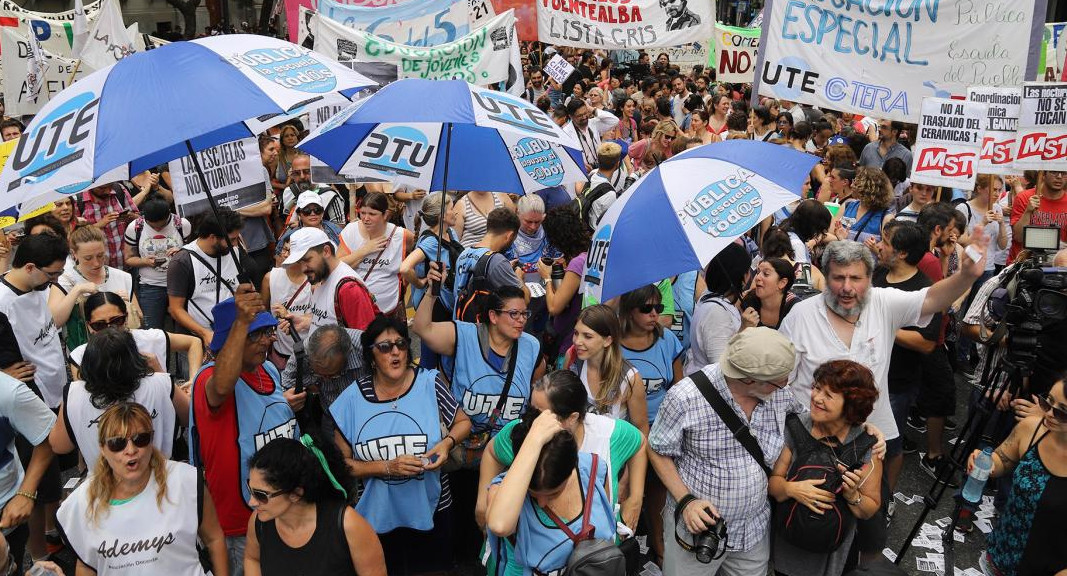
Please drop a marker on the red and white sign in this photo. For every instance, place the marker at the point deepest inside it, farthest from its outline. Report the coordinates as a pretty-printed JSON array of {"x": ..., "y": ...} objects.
[
  {"x": 1001, "y": 126},
  {"x": 949, "y": 143},
  {"x": 1042, "y": 127}
]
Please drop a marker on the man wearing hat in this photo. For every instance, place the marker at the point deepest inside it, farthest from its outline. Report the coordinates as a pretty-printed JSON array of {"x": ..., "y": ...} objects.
[
  {"x": 238, "y": 407},
  {"x": 300, "y": 182},
  {"x": 710, "y": 473},
  {"x": 310, "y": 213},
  {"x": 340, "y": 297}
]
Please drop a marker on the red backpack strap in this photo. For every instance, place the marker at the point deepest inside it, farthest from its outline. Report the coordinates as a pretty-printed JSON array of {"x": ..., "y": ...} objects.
[{"x": 586, "y": 531}]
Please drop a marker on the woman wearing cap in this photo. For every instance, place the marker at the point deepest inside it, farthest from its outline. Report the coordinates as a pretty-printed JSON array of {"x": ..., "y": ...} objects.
[
  {"x": 114, "y": 371},
  {"x": 138, "y": 512},
  {"x": 375, "y": 248},
  {"x": 310, "y": 213},
  {"x": 302, "y": 522}
]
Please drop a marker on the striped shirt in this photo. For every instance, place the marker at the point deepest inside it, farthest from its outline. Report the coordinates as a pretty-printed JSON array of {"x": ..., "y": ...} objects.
[{"x": 474, "y": 222}]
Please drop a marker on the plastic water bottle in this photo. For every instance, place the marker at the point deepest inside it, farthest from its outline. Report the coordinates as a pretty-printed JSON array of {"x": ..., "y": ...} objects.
[{"x": 983, "y": 465}]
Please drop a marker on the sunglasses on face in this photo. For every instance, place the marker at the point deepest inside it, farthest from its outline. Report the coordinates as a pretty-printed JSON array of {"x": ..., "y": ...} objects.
[
  {"x": 311, "y": 210},
  {"x": 262, "y": 496},
  {"x": 516, "y": 315},
  {"x": 648, "y": 308},
  {"x": 115, "y": 322},
  {"x": 386, "y": 346},
  {"x": 1059, "y": 412},
  {"x": 118, "y": 443}
]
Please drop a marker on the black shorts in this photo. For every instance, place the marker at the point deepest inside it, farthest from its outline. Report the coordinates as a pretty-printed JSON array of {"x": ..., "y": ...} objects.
[
  {"x": 50, "y": 489},
  {"x": 937, "y": 396},
  {"x": 410, "y": 551}
]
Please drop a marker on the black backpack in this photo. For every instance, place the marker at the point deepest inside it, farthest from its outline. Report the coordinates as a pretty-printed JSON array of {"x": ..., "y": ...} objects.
[
  {"x": 583, "y": 203},
  {"x": 471, "y": 296},
  {"x": 812, "y": 460},
  {"x": 802, "y": 288},
  {"x": 453, "y": 248}
]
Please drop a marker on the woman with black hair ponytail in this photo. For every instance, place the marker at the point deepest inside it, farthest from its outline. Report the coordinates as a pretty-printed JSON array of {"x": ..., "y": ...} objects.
[{"x": 299, "y": 490}]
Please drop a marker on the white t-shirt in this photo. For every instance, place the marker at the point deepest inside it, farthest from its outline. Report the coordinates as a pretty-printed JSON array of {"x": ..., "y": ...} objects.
[
  {"x": 155, "y": 244},
  {"x": 118, "y": 281},
  {"x": 619, "y": 410},
  {"x": 816, "y": 342},
  {"x": 22, "y": 413}
]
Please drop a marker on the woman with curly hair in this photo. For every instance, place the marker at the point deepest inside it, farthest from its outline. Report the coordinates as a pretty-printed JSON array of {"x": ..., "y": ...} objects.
[
  {"x": 566, "y": 231},
  {"x": 860, "y": 218}
]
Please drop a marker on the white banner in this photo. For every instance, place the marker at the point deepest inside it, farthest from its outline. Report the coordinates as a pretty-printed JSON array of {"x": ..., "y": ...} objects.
[
  {"x": 234, "y": 173},
  {"x": 949, "y": 143},
  {"x": 16, "y": 57},
  {"x": 423, "y": 23},
  {"x": 36, "y": 68},
  {"x": 632, "y": 24},
  {"x": 11, "y": 6},
  {"x": 881, "y": 58},
  {"x": 482, "y": 57},
  {"x": 1001, "y": 124},
  {"x": 735, "y": 53},
  {"x": 108, "y": 40},
  {"x": 317, "y": 116},
  {"x": 558, "y": 68},
  {"x": 689, "y": 56},
  {"x": 1042, "y": 127}
]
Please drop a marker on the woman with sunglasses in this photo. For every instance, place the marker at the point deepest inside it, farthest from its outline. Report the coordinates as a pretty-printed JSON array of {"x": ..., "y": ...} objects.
[
  {"x": 302, "y": 522},
  {"x": 1030, "y": 533},
  {"x": 114, "y": 371},
  {"x": 657, "y": 146},
  {"x": 309, "y": 211},
  {"x": 138, "y": 512},
  {"x": 375, "y": 248},
  {"x": 389, "y": 429}
]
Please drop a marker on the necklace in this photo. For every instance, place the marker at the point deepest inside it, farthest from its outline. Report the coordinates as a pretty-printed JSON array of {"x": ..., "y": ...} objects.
[
  {"x": 398, "y": 394},
  {"x": 852, "y": 322}
]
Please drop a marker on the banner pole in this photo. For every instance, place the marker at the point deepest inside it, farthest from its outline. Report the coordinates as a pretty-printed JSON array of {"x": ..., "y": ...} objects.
[{"x": 77, "y": 65}]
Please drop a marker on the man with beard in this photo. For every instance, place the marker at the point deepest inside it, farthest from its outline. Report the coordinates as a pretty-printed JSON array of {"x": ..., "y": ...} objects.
[
  {"x": 340, "y": 297},
  {"x": 678, "y": 15},
  {"x": 204, "y": 272},
  {"x": 536, "y": 88},
  {"x": 587, "y": 124},
  {"x": 300, "y": 182},
  {"x": 887, "y": 146}
]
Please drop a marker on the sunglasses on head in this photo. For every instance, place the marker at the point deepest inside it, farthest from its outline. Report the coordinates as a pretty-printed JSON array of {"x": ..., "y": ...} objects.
[
  {"x": 262, "y": 496},
  {"x": 310, "y": 210},
  {"x": 1059, "y": 412},
  {"x": 648, "y": 308},
  {"x": 115, "y": 322},
  {"x": 386, "y": 346},
  {"x": 118, "y": 443}
]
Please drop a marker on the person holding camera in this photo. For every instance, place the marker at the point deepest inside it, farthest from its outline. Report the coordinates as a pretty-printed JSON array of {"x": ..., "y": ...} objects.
[{"x": 717, "y": 518}]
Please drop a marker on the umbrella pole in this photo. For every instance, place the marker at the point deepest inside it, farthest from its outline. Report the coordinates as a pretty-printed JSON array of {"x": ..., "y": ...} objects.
[
  {"x": 242, "y": 274},
  {"x": 435, "y": 288}
]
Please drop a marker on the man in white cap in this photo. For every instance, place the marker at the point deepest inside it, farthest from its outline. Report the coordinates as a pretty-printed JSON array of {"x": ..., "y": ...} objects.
[
  {"x": 310, "y": 213},
  {"x": 712, "y": 473},
  {"x": 340, "y": 297}
]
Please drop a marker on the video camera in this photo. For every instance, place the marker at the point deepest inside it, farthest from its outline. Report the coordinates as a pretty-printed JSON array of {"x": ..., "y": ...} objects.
[{"x": 1034, "y": 292}]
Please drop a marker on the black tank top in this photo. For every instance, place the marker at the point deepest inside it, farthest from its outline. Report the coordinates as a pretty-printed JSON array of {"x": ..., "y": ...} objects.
[{"x": 325, "y": 554}]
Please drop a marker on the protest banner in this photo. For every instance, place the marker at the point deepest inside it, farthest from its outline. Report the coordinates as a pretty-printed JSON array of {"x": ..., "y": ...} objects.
[
  {"x": 634, "y": 24},
  {"x": 880, "y": 58},
  {"x": 109, "y": 41},
  {"x": 1052, "y": 53},
  {"x": 481, "y": 57},
  {"x": 317, "y": 116},
  {"x": 689, "y": 56},
  {"x": 16, "y": 10},
  {"x": 293, "y": 14},
  {"x": 424, "y": 23},
  {"x": 234, "y": 174},
  {"x": 734, "y": 56},
  {"x": 16, "y": 54},
  {"x": 13, "y": 215},
  {"x": 1001, "y": 124},
  {"x": 949, "y": 142},
  {"x": 559, "y": 69},
  {"x": 1042, "y": 139}
]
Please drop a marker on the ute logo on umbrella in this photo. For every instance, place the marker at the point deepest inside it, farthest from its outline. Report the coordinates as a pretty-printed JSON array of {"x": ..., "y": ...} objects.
[
  {"x": 727, "y": 207},
  {"x": 518, "y": 114},
  {"x": 598, "y": 256},
  {"x": 292, "y": 68},
  {"x": 55, "y": 141},
  {"x": 539, "y": 161}
]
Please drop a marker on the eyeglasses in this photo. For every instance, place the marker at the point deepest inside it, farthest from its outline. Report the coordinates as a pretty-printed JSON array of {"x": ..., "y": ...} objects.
[
  {"x": 261, "y": 333},
  {"x": 516, "y": 315},
  {"x": 648, "y": 308},
  {"x": 52, "y": 275},
  {"x": 386, "y": 346},
  {"x": 311, "y": 210},
  {"x": 306, "y": 172},
  {"x": 115, "y": 322},
  {"x": 1059, "y": 412},
  {"x": 119, "y": 443},
  {"x": 262, "y": 496}
]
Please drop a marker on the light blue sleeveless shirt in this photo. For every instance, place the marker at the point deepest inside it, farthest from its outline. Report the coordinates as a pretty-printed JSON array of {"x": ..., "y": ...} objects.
[
  {"x": 476, "y": 385},
  {"x": 656, "y": 365}
]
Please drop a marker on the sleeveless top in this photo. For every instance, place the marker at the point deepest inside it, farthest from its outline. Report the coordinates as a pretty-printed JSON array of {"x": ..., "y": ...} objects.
[
  {"x": 323, "y": 309},
  {"x": 616, "y": 411},
  {"x": 428, "y": 243},
  {"x": 35, "y": 330},
  {"x": 684, "y": 288},
  {"x": 295, "y": 297},
  {"x": 214, "y": 280},
  {"x": 382, "y": 430},
  {"x": 474, "y": 223},
  {"x": 477, "y": 385},
  {"x": 656, "y": 365},
  {"x": 155, "y": 392},
  {"x": 139, "y": 536},
  {"x": 383, "y": 279},
  {"x": 1029, "y": 537},
  {"x": 862, "y": 228},
  {"x": 325, "y": 554},
  {"x": 149, "y": 341}
]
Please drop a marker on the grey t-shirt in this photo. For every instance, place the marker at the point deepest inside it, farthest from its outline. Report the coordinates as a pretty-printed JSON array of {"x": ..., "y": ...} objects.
[
  {"x": 500, "y": 273},
  {"x": 872, "y": 156}
]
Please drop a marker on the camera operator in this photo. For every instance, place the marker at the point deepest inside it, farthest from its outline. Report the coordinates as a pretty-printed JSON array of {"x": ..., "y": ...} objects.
[{"x": 715, "y": 479}]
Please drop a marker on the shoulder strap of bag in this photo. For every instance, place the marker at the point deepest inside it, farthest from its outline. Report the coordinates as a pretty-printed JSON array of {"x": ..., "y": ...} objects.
[
  {"x": 587, "y": 509},
  {"x": 730, "y": 418},
  {"x": 292, "y": 298},
  {"x": 863, "y": 224},
  {"x": 378, "y": 256},
  {"x": 216, "y": 273},
  {"x": 499, "y": 408}
]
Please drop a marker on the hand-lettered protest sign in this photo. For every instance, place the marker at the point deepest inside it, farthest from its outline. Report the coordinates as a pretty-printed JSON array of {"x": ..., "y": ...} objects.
[
  {"x": 16, "y": 56},
  {"x": 949, "y": 143},
  {"x": 881, "y": 58},
  {"x": 481, "y": 57},
  {"x": 634, "y": 24},
  {"x": 689, "y": 56},
  {"x": 1001, "y": 123},
  {"x": 559, "y": 69},
  {"x": 234, "y": 174},
  {"x": 1042, "y": 127},
  {"x": 426, "y": 23},
  {"x": 734, "y": 56}
]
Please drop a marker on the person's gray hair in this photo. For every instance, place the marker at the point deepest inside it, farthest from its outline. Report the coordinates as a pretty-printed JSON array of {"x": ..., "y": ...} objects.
[
  {"x": 845, "y": 252},
  {"x": 430, "y": 213},
  {"x": 329, "y": 341},
  {"x": 530, "y": 203}
]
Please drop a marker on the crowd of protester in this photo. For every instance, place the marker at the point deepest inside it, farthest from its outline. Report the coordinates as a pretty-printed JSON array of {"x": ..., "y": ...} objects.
[{"x": 373, "y": 379}]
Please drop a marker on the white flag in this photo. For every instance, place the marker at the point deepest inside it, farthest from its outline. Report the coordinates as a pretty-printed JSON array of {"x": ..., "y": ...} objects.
[
  {"x": 36, "y": 67},
  {"x": 81, "y": 28},
  {"x": 109, "y": 41}
]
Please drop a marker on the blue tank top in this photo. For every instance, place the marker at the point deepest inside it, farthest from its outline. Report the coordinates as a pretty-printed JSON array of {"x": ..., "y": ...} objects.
[
  {"x": 477, "y": 385},
  {"x": 383, "y": 430},
  {"x": 428, "y": 245},
  {"x": 860, "y": 229},
  {"x": 656, "y": 365}
]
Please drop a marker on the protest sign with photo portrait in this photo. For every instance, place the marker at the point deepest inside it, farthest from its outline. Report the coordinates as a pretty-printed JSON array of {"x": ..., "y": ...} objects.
[{"x": 634, "y": 24}]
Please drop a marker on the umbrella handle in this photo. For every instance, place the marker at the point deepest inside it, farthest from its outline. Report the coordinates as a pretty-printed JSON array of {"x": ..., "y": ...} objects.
[
  {"x": 242, "y": 274},
  {"x": 435, "y": 287}
]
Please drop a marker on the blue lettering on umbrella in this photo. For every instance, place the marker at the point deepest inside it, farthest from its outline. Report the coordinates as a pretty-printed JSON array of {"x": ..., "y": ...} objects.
[
  {"x": 513, "y": 112},
  {"x": 398, "y": 150},
  {"x": 725, "y": 208},
  {"x": 598, "y": 256},
  {"x": 539, "y": 161},
  {"x": 292, "y": 68},
  {"x": 57, "y": 139}
]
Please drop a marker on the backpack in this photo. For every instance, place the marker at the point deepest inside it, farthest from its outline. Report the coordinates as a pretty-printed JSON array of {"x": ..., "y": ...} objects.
[
  {"x": 583, "y": 204},
  {"x": 470, "y": 296},
  {"x": 450, "y": 246},
  {"x": 812, "y": 459},
  {"x": 591, "y": 556},
  {"x": 337, "y": 299}
]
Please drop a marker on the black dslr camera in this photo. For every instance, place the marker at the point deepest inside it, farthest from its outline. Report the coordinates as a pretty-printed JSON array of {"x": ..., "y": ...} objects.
[{"x": 711, "y": 543}]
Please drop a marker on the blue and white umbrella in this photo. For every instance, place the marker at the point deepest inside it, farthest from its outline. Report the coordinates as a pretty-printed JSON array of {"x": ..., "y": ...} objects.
[
  {"x": 155, "y": 106},
  {"x": 683, "y": 212},
  {"x": 438, "y": 134}
]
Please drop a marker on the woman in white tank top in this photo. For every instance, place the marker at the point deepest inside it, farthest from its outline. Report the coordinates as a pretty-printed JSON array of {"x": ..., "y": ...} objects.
[
  {"x": 471, "y": 212},
  {"x": 374, "y": 248},
  {"x": 287, "y": 293}
]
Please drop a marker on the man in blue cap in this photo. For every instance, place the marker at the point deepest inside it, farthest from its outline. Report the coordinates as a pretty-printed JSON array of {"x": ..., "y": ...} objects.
[{"x": 238, "y": 406}]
